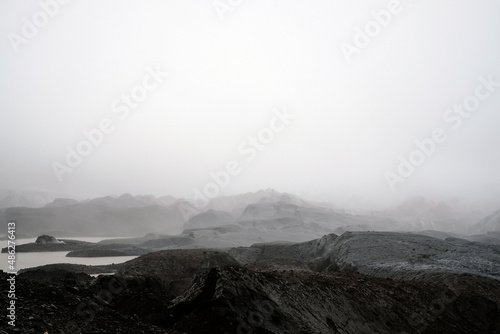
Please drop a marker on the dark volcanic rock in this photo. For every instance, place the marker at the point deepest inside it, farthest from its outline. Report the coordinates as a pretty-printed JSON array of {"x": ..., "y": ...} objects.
[
  {"x": 175, "y": 268},
  {"x": 169, "y": 242},
  {"x": 153, "y": 280},
  {"x": 356, "y": 283},
  {"x": 54, "y": 303},
  {"x": 235, "y": 299},
  {"x": 406, "y": 255},
  {"x": 105, "y": 249},
  {"x": 142, "y": 297},
  {"x": 96, "y": 253},
  {"x": 305, "y": 251},
  {"x": 75, "y": 268},
  {"x": 59, "y": 276}
]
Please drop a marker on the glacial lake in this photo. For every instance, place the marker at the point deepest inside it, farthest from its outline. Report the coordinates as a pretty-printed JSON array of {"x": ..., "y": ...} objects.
[{"x": 29, "y": 260}]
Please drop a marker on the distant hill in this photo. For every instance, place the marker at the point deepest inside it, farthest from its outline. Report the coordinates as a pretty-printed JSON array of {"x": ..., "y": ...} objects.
[
  {"x": 29, "y": 199},
  {"x": 121, "y": 216},
  {"x": 490, "y": 223},
  {"x": 236, "y": 204},
  {"x": 258, "y": 216},
  {"x": 419, "y": 213},
  {"x": 61, "y": 202},
  {"x": 210, "y": 218}
]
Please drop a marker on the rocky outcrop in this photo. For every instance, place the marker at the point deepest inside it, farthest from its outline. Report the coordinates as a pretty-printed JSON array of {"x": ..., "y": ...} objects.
[
  {"x": 64, "y": 302},
  {"x": 305, "y": 251},
  {"x": 47, "y": 239},
  {"x": 64, "y": 245},
  {"x": 355, "y": 283},
  {"x": 168, "y": 242},
  {"x": 175, "y": 268},
  {"x": 129, "y": 247},
  {"x": 75, "y": 268},
  {"x": 235, "y": 300},
  {"x": 405, "y": 255}
]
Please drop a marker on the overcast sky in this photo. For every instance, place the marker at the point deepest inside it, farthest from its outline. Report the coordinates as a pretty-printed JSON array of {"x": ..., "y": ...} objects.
[{"x": 356, "y": 102}]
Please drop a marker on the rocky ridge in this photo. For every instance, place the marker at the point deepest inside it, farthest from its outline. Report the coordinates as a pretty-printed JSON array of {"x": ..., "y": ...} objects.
[{"x": 358, "y": 282}]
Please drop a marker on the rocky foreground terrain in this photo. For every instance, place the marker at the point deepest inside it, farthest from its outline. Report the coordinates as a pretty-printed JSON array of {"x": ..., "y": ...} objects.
[{"x": 358, "y": 282}]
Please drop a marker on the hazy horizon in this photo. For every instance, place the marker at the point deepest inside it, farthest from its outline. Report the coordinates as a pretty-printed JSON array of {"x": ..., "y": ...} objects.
[
  {"x": 345, "y": 202},
  {"x": 379, "y": 101}
]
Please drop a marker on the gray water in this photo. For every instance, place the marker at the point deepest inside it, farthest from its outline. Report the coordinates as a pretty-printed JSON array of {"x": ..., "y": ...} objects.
[{"x": 29, "y": 260}]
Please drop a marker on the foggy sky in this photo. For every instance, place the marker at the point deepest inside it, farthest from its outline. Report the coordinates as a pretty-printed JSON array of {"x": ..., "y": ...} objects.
[{"x": 227, "y": 79}]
